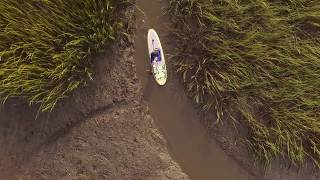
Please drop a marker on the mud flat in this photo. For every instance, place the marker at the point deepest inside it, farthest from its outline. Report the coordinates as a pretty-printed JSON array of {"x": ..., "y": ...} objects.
[{"x": 104, "y": 131}]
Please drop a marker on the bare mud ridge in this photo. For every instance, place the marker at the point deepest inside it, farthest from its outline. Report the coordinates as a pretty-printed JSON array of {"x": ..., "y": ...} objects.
[{"x": 103, "y": 132}]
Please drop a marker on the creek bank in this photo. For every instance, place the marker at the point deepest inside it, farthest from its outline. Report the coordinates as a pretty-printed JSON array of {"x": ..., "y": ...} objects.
[{"x": 104, "y": 131}]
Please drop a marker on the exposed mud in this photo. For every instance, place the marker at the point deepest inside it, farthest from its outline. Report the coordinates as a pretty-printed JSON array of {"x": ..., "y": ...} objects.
[{"x": 103, "y": 131}]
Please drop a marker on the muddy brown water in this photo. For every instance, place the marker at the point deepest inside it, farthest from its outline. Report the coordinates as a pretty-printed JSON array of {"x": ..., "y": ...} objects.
[{"x": 189, "y": 143}]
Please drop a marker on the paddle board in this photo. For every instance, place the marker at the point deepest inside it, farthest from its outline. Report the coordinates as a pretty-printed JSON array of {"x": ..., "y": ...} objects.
[{"x": 156, "y": 58}]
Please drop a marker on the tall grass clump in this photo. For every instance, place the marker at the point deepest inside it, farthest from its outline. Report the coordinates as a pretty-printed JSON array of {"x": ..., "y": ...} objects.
[
  {"x": 260, "y": 60},
  {"x": 47, "y": 46}
]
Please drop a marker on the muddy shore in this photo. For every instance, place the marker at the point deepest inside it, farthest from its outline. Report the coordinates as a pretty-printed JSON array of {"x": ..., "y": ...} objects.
[{"x": 104, "y": 131}]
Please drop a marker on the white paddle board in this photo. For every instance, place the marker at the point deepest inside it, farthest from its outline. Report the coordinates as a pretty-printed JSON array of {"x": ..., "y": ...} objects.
[{"x": 156, "y": 58}]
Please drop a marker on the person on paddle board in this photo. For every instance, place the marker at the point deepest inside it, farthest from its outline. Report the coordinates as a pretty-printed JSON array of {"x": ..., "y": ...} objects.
[{"x": 155, "y": 57}]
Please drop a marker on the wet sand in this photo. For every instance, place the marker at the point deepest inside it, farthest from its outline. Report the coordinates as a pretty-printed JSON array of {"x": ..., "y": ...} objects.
[{"x": 189, "y": 143}]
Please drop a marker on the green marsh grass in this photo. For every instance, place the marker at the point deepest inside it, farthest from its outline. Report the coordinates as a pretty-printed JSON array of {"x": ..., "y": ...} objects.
[
  {"x": 47, "y": 46},
  {"x": 260, "y": 60}
]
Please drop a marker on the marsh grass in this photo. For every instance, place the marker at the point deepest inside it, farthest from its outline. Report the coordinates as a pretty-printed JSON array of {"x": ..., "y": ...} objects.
[
  {"x": 260, "y": 59},
  {"x": 47, "y": 46}
]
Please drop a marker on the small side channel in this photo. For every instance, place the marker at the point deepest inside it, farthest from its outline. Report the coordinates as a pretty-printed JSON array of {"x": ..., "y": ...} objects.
[{"x": 189, "y": 144}]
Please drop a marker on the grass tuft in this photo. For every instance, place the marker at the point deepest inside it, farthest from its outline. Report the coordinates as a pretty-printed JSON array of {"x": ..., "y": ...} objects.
[
  {"x": 47, "y": 46},
  {"x": 260, "y": 58}
]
